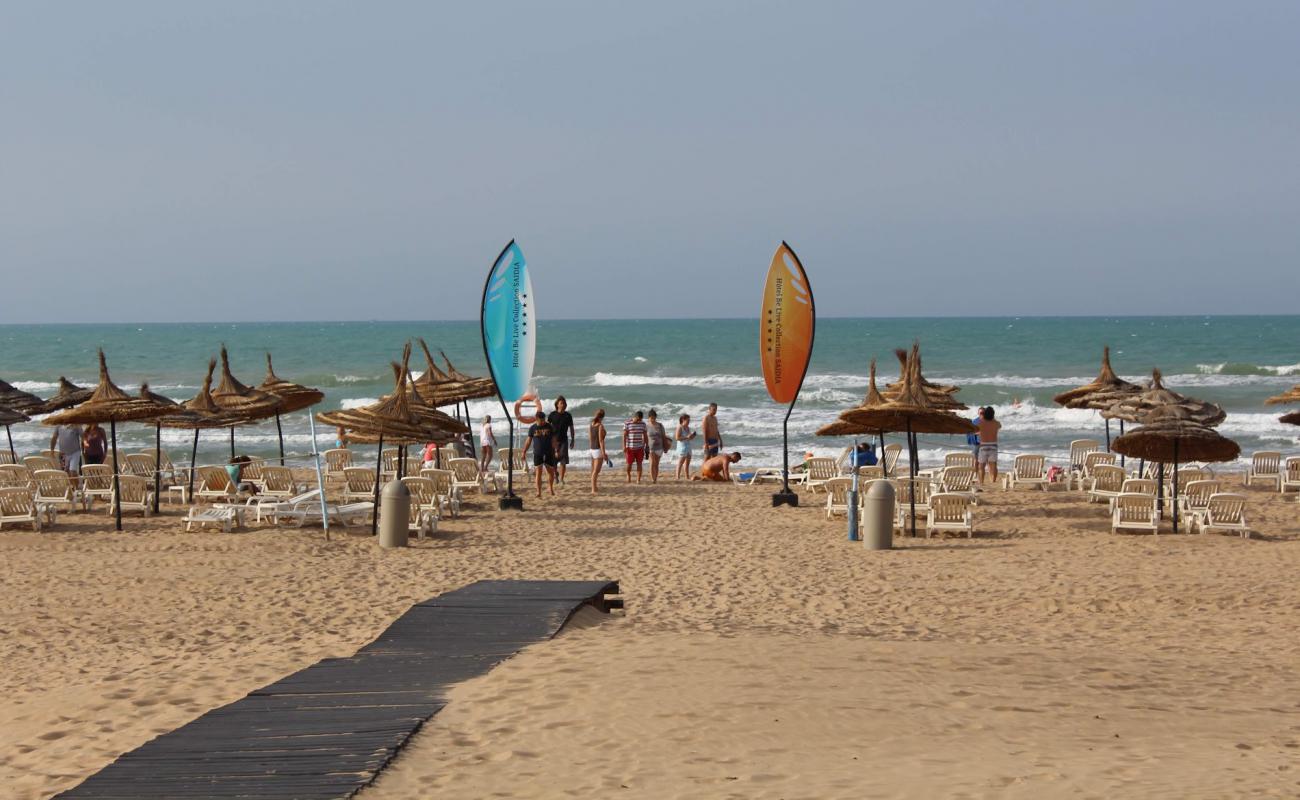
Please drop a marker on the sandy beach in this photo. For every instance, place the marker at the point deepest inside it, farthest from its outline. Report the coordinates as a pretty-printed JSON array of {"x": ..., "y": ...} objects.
[{"x": 761, "y": 654}]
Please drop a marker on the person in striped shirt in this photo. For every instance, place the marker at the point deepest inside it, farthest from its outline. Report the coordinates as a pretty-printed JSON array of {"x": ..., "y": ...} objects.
[{"x": 635, "y": 435}]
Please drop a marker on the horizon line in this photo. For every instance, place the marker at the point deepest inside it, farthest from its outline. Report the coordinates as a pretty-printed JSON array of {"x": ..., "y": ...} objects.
[{"x": 643, "y": 319}]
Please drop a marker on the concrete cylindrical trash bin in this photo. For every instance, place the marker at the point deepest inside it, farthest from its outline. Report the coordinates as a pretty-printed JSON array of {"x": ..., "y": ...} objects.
[
  {"x": 878, "y": 516},
  {"x": 394, "y": 514}
]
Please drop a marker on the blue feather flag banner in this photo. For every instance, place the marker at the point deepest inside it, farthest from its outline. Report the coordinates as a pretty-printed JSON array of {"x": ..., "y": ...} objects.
[{"x": 509, "y": 316}]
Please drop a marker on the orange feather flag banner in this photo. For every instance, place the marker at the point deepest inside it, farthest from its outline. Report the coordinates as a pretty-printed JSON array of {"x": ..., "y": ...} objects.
[{"x": 787, "y": 325}]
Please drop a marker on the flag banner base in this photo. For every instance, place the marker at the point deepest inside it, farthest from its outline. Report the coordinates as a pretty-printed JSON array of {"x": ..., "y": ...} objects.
[
  {"x": 514, "y": 502},
  {"x": 786, "y": 498}
]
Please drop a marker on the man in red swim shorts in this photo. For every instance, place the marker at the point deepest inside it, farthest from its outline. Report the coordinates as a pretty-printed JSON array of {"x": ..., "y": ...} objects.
[{"x": 634, "y": 443}]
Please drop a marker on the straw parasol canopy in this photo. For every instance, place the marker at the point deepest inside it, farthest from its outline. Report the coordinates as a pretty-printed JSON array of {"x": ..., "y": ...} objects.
[
  {"x": 69, "y": 394},
  {"x": 201, "y": 411},
  {"x": 911, "y": 409},
  {"x": 442, "y": 388},
  {"x": 1106, "y": 388},
  {"x": 940, "y": 396},
  {"x": 485, "y": 387},
  {"x": 1290, "y": 419},
  {"x": 293, "y": 396},
  {"x": 843, "y": 427},
  {"x": 1173, "y": 434},
  {"x": 108, "y": 403},
  {"x": 1288, "y": 397},
  {"x": 391, "y": 418},
  {"x": 1135, "y": 407},
  {"x": 18, "y": 400},
  {"x": 245, "y": 402}
]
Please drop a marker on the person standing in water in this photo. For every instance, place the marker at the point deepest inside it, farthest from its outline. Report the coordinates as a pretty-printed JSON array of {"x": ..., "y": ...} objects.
[
  {"x": 562, "y": 423},
  {"x": 658, "y": 440},
  {"x": 683, "y": 437},
  {"x": 988, "y": 450},
  {"x": 596, "y": 443},
  {"x": 487, "y": 440},
  {"x": 712, "y": 437}
]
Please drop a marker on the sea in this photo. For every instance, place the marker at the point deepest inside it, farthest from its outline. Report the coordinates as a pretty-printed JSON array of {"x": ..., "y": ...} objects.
[{"x": 1015, "y": 364}]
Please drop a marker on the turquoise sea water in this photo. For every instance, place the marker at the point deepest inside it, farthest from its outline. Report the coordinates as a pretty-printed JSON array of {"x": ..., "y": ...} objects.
[{"x": 681, "y": 365}]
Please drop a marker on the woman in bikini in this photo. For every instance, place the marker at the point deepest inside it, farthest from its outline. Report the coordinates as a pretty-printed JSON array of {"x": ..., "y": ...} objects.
[{"x": 596, "y": 443}]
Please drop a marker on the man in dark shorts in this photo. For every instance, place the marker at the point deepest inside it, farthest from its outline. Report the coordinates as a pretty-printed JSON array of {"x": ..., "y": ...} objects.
[
  {"x": 562, "y": 424},
  {"x": 541, "y": 437},
  {"x": 635, "y": 436},
  {"x": 712, "y": 437}
]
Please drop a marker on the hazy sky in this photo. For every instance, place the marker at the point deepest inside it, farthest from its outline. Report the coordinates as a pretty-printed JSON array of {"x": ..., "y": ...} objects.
[{"x": 320, "y": 160}]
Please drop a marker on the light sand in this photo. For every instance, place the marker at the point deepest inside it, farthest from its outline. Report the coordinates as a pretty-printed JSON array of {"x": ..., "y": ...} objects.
[{"x": 951, "y": 667}]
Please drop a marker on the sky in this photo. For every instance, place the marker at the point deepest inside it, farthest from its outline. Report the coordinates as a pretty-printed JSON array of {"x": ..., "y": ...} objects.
[{"x": 239, "y": 161}]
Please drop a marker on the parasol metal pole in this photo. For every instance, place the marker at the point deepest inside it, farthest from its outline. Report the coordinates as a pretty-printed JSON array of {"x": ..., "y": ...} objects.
[
  {"x": 1121, "y": 433},
  {"x": 852, "y": 511},
  {"x": 911, "y": 457},
  {"x": 232, "y": 442},
  {"x": 117, "y": 487},
  {"x": 379, "y": 464},
  {"x": 1160, "y": 488},
  {"x": 1175, "y": 484},
  {"x": 279, "y": 432},
  {"x": 785, "y": 497},
  {"x": 1107, "y": 434},
  {"x": 194, "y": 456},
  {"x": 157, "y": 463},
  {"x": 884, "y": 462},
  {"x": 10, "y": 435},
  {"x": 320, "y": 479}
]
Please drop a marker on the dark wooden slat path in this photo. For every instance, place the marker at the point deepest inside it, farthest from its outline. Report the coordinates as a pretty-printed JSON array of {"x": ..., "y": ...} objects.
[{"x": 327, "y": 731}]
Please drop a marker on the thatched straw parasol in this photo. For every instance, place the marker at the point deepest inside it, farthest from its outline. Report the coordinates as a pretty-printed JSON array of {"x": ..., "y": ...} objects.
[
  {"x": 10, "y": 417},
  {"x": 110, "y": 404},
  {"x": 1102, "y": 393},
  {"x": 18, "y": 400},
  {"x": 243, "y": 402},
  {"x": 200, "y": 413},
  {"x": 911, "y": 411},
  {"x": 939, "y": 395},
  {"x": 293, "y": 397},
  {"x": 390, "y": 418},
  {"x": 1290, "y": 419},
  {"x": 440, "y": 387},
  {"x": 68, "y": 395},
  {"x": 1288, "y": 397},
  {"x": 843, "y": 427},
  {"x": 1135, "y": 407},
  {"x": 1173, "y": 434}
]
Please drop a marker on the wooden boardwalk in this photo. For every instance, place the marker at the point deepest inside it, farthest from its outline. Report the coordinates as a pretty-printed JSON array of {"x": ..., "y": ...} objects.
[{"x": 327, "y": 731}]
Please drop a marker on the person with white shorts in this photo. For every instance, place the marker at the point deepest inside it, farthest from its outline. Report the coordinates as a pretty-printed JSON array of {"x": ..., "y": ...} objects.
[{"x": 67, "y": 440}]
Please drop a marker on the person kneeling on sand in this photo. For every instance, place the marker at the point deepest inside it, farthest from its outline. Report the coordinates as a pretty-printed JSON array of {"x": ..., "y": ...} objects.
[{"x": 717, "y": 468}]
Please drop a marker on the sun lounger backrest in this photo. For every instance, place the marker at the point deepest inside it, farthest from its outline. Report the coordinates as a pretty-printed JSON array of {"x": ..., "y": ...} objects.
[
  {"x": 821, "y": 468},
  {"x": 441, "y": 478},
  {"x": 909, "y": 487},
  {"x": 423, "y": 492},
  {"x": 359, "y": 479},
  {"x": 959, "y": 460},
  {"x": 1189, "y": 475},
  {"x": 389, "y": 460},
  {"x": 6, "y": 457},
  {"x": 133, "y": 488},
  {"x": 1096, "y": 459},
  {"x": 957, "y": 479},
  {"x": 215, "y": 479},
  {"x": 34, "y": 463},
  {"x": 52, "y": 484},
  {"x": 1197, "y": 493},
  {"x": 1080, "y": 448},
  {"x": 338, "y": 459},
  {"x": 837, "y": 490},
  {"x": 139, "y": 464},
  {"x": 1265, "y": 462},
  {"x": 870, "y": 473},
  {"x": 1135, "y": 507},
  {"x": 277, "y": 480},
  {"x": 466, "y": 469},
  {"x": 1108, "y": 478},
  {"x": 1225, "y": 508},
  {"x": 96, "y": 477},
  {"x": 1029, "y": 466},
  {"x": 949, "y": 508},
  {"x": 1293, "y": 469},
  {"x": 892, "y": 452},
  {"x": 1139, "y": 486},
  {"x": 15, "y": 475},
  {"x": 17, "y": 503}
]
